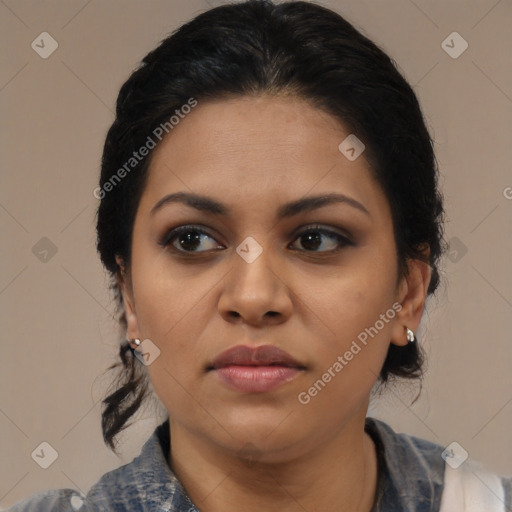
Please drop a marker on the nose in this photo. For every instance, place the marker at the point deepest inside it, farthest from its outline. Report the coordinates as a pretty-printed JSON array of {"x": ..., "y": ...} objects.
[{"x": 255, "y": 293}]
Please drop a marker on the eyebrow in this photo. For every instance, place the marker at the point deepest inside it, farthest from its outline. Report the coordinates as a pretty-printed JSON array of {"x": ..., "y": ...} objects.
[{"x": 209, "y": 205}]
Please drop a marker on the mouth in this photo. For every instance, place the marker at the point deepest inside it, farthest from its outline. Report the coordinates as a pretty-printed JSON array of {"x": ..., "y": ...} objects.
[{"x": 255, "y": 369}]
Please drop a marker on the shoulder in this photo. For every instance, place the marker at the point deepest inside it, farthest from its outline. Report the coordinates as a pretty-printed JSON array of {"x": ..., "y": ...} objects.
[
  {"x": 477, "y": 488},
  {"x": 146, "y": 483},
  {"x": 411, "y": 470},
  {"x": 422, "y": 475},
  {"x": 405, "y": 451},
  {"x": 57, "y": 500}
]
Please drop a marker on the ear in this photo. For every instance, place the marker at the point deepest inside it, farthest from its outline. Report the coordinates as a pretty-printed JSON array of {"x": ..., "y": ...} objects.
[
  {"x": 412, "y": 294},
  {"x": 125, "y": 285}
]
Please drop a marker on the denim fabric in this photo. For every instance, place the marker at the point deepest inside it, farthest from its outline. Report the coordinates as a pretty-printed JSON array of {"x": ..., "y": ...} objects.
[{"x": 411, "y": 474}]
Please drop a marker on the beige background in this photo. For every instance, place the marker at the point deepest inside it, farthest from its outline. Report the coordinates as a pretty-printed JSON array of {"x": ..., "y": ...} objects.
[{"x": 58, "y": 334}]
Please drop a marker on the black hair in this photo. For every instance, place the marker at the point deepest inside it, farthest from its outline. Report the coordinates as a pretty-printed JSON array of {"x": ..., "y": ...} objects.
[{"x": 253, "y": 48}]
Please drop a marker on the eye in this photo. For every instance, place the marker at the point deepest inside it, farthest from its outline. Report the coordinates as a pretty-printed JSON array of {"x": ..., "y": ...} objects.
[
  {"x": 311, "y": 239},
  {"x": 188, "y": 239}
]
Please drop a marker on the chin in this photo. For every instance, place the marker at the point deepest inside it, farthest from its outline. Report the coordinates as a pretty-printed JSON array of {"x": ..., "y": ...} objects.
[{"x": 268, "y": 431}]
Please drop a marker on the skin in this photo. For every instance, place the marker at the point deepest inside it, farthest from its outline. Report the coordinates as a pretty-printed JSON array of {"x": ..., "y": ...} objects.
[{"x": 254, "y": 154}]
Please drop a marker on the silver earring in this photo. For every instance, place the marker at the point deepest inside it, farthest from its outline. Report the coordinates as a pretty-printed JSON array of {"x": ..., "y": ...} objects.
[
  {"x": 410, "y": 335},
  {"x": 136, "y": 342}
]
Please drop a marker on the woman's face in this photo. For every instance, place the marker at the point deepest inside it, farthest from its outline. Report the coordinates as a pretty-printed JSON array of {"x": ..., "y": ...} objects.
[{"x": 312, "y": 279}]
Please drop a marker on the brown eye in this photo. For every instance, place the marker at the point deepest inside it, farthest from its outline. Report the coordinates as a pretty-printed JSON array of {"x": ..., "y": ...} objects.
[
  {"x": 189, "y": 239},
  {"x": 314, "y": 238}
]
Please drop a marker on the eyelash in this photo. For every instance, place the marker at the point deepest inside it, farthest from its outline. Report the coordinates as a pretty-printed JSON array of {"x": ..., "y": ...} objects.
[{"x": 171, "y": 235}]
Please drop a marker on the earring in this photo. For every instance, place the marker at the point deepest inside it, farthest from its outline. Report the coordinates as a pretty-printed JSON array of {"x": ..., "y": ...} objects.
[
  {"x": 410, "y": 335},
  {"x": 136, "y": 342}
]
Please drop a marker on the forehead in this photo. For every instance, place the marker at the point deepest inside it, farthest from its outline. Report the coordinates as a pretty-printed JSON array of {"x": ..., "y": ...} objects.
[
  {"x": 274, "y": 147},
  {"x": 245, "y": 126}
]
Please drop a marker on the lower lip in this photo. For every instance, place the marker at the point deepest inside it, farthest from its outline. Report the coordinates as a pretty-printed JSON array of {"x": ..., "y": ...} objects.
[{"x": 256, "y": 379}]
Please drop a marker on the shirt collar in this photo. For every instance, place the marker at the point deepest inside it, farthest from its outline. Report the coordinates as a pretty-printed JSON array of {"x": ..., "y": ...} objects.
[
  {"x": 411, "y": 470},
  {"x": 146, "y": 484}
]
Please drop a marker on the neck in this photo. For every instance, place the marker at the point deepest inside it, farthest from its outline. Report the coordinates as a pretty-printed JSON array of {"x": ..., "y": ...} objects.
[{"x": 339, "y": 475}]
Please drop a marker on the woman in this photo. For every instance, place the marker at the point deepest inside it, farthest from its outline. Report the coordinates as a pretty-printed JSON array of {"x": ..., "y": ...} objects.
[{"x": 270, "y": 215}]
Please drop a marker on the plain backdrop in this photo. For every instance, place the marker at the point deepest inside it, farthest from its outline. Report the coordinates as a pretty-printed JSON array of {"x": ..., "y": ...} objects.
[{"x": 58, "y": 331}]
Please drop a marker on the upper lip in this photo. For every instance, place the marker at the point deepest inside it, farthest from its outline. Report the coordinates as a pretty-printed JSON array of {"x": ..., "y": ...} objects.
[{"x": 264, "y": 355}]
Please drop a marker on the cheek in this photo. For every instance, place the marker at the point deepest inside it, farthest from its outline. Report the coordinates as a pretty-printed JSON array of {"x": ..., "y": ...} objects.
[
  {"x": 172, "y": 316},
  {"x": 353, "y": 317},
  {"x": 357, "y": 329},
  {"x": 174, "y": 304},
  {"x": 348, "y": 359},
  {"x": 172, "y": 313},
  {"x": 353, "y": 297},
  {"x": 167, "y": 294}
]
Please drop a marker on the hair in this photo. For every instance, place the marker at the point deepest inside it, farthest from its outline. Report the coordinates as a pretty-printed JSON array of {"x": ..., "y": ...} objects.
[{"x": 257, "y": 48}]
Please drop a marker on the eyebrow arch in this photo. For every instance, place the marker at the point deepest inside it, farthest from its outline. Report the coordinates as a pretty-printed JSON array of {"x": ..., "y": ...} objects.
[{"x": 209, "y": 205}]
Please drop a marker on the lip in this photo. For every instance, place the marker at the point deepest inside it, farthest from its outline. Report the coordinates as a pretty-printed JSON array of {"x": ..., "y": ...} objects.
[
  {"x": 255, "y": 369},
  {"x": 264, "y": 355}
]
